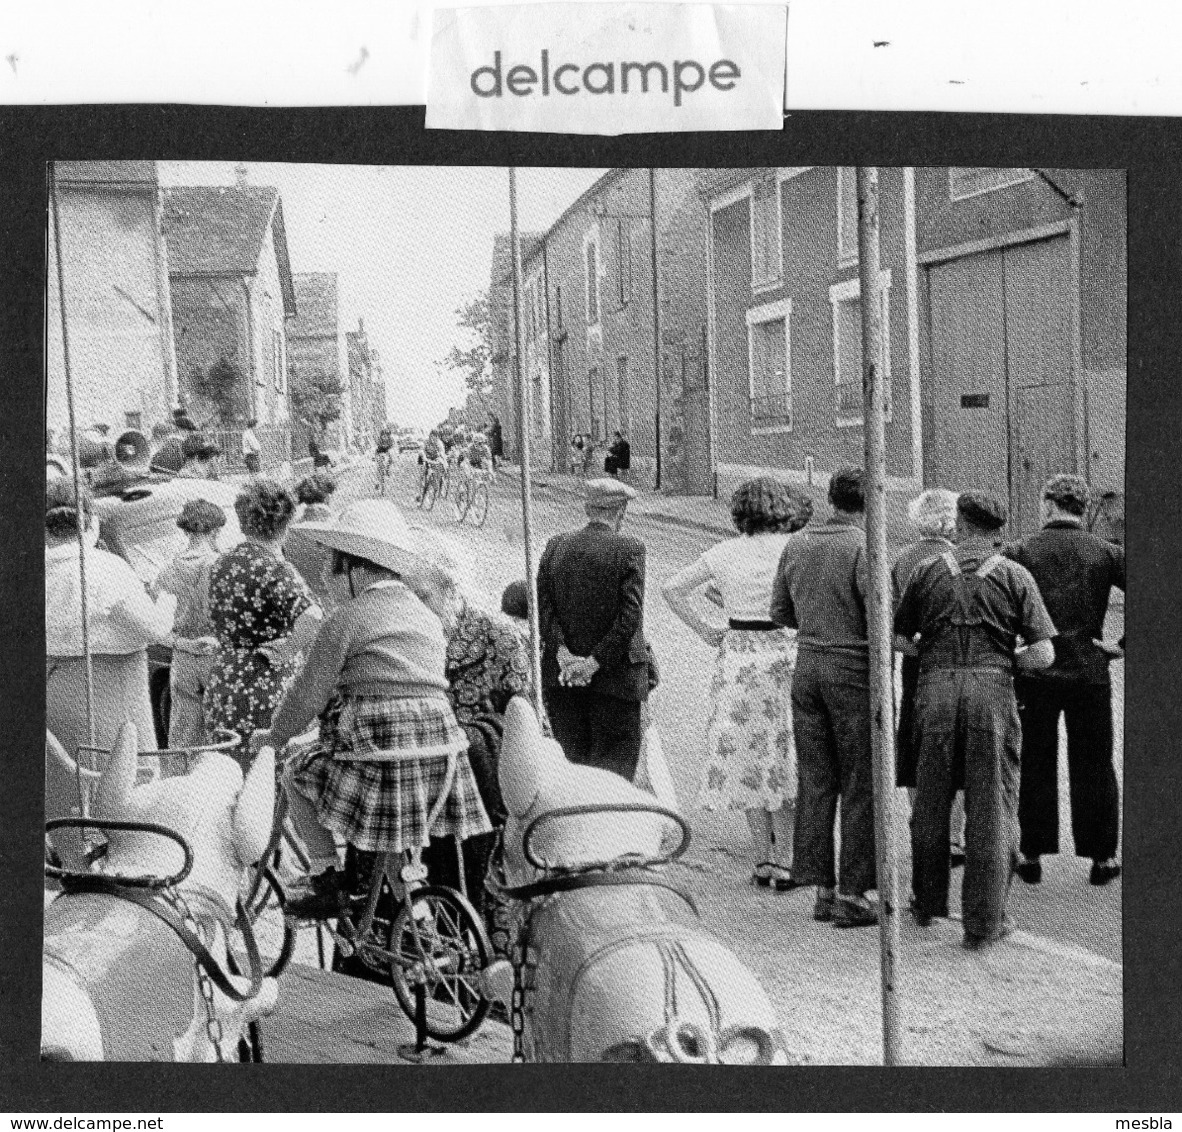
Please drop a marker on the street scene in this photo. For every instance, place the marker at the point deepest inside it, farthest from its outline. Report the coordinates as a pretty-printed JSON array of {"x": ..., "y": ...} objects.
[{"x": 251, "y": 465}]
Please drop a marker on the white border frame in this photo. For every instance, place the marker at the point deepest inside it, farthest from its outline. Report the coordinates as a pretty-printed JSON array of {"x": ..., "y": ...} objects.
[
  {"x": 844, "y": 292},
  {"x": 757, "y": 316}
]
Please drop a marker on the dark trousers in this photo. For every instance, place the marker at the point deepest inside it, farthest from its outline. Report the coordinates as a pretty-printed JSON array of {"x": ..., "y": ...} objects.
[
  {"x": 251, "y": 460},
  {"x": 966, "y": 718},
  {"x": 596, "y": 730},
  {"x": 1095, "y": 798},
  {"x": 831, "y": 723}
]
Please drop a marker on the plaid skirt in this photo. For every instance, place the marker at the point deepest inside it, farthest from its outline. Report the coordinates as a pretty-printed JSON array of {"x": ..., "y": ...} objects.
[{"x": 377, "y": 770}]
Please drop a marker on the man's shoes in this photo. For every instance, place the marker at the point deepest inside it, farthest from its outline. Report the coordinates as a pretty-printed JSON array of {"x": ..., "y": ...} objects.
[
  {"x": 823, "y": 907},
  {"x": 854, "y": 912},
  {"x": 1030, "y": 870},
  {"x": 762, "y": 875},
  {"x": 978, "y": 942},
  {"x": 320, "y": 897},
  {"x": 1103, "y": 872}
]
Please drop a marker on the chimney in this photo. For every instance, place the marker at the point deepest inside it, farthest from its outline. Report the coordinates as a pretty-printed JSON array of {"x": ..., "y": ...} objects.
[{"x": 240, "y": 174}]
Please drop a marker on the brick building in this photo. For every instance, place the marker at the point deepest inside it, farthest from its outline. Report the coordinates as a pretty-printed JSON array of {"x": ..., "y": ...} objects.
[
  {"x": 232, "y": 293},
  {"x": 118, "y": 307},
  {"x": 1003, "y": 317},
  {"x": 316, "y": 355},
  {"x": 367, "y": 388}
]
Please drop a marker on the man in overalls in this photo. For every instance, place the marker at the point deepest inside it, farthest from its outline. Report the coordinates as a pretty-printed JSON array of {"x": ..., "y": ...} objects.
[{"x": 969, "y": 607}]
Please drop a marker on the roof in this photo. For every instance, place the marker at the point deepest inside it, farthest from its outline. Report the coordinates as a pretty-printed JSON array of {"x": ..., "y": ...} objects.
[
  {"x": 219, "y": 230},
  {"x": 116, "y": 174},
  {"x": 502, "y": 257},
  {"x": 316, "y": 300}
]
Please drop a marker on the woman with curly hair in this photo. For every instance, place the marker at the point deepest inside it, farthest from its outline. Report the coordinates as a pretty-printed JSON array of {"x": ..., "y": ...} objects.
[
  {"x": 751, "y": 756},
  {"x": 262, "y": 613},
  {"x": 299, "y": 548}
]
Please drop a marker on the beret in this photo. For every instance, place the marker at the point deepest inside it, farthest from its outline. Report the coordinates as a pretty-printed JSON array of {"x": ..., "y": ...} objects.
[
  {"x": 1068, "y": 491},
  {"x": 982, "y": 510}
]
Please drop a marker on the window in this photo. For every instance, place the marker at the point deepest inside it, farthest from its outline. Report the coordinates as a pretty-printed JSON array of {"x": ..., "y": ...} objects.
[
  {"x": 527, "y": 304},
  {"x": 624, "y": 259},
  {"x": 972, "y": 182},
  {"x": 277, "y": 359},
  {"x": 847, "y": 215},
  {"x": 765, "y": 234},
  {"x": 592, "y": 253},
  {"x": 540, "y": 313},
  {"x": 847, "y": 348},
  {"x": 769, "y": 356},
  {"x": 558, "y": 306},
  {"x": 622, "y": 421}
]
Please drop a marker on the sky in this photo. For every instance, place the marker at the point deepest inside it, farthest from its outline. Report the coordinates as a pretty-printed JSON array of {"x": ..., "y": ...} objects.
[{"x": 409, "y": 245}]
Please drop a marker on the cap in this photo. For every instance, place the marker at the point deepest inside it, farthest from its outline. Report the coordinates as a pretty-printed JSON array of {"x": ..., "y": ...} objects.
[
  {"x": 1069, "y": 492},
  {"x": 982, "y": 510},
  {"x": 608, "y": 492},
  {"x": 515, "y": 600}
]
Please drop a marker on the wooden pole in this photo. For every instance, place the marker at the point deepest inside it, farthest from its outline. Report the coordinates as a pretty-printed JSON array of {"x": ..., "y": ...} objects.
[
  {"x": 70, "y": 406},
  {"x": 879, "y": 612},
  {"x": 526, "y": 426}
]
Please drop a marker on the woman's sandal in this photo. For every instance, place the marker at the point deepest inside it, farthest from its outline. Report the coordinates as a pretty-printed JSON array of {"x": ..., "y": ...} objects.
[
  {"x": 762, "y": 875},
  {"x": 781, "y": 879}
]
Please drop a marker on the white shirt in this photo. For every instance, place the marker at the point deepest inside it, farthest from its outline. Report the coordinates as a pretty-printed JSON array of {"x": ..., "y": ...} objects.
[
  {"x": 250, "y": 443},
  {"x": 742, "y": 568},
  {"x": 122, "y": 618}
]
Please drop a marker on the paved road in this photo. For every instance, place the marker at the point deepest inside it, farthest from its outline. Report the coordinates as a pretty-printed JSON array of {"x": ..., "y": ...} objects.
[{"x": 1064, "y": 907}]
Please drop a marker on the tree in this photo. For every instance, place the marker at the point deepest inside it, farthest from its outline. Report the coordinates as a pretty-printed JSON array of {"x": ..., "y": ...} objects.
[
  {"x": 474, "y": 363},
  {"x": 223, "y": 386},
  {"x": 316, "y": 398}
]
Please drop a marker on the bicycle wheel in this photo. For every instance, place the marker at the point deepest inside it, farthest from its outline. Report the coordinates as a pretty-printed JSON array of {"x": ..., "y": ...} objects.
[
  {"x": 441, "y": 938},
  {"x": 462, "y": 502},
  {"x": 479, "y": 507}
]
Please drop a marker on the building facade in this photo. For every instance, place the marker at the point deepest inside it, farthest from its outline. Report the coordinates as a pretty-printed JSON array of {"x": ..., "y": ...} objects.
[
  {"x": 117, "y": 299},
  {"x": 232, "y": 294},
  {"x": 367, "y": 388},
  {"x": 316, "y": 357}
]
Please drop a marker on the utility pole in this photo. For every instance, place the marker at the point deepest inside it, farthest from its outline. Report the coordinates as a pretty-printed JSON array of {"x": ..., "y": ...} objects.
[
  {"x": 879, "y": 612},
  {"x": 531, "y": 580},
  {"x": 652, "y": 211}
]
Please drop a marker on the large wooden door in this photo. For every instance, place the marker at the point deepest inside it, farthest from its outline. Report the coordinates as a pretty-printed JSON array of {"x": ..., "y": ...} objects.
[
  {"x": 1002, "y": 374},
  {"x": 970, "y": 448}
]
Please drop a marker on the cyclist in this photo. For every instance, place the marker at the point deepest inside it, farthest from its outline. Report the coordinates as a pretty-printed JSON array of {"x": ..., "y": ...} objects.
[
  {"x": 478, "y": 457},
  {"x": 382, "y": 457},
  {"x": 433, "y": 455},
  {"x": 376, "y": 678}
]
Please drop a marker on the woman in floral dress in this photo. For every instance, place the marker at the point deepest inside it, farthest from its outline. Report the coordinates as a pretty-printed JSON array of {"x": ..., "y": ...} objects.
[
  {"x": 262, "y": 614},
  {"x": 751, "y": 756}
]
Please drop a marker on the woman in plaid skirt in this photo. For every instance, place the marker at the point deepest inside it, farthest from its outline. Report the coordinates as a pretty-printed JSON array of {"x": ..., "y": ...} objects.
[{"x": 375, "y": 677}]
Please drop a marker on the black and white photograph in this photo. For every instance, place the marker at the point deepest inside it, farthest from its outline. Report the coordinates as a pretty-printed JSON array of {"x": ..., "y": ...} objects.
[{"x": 560, "y": 614}]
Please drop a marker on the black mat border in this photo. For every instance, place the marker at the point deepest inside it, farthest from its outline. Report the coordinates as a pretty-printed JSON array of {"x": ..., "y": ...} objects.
[{"x": 1148, "y": 148}]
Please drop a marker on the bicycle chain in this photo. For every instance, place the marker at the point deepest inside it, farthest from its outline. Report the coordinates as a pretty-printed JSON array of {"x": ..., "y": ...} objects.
[{"x": 213, "y": 1024}]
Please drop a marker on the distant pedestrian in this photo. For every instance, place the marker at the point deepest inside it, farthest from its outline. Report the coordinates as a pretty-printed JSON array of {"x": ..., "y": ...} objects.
[
  {"x": 187, "y": 578},
  {"x": 251, "y": 448},
  {"x": 978, "y": 615},
  {"x": 933, "y": 515},
  {"x": 199, "y": 457},
  {"x": 619, "y": 455},
  {"x": 496, "y": 440},
  {"x": 595, "y": 671},
  {"x": 1075, "y": 572},
  {"x": 750, "y": 752},
  {"x": 181, "y": 420},
  {"x": 820, "y": 590}
]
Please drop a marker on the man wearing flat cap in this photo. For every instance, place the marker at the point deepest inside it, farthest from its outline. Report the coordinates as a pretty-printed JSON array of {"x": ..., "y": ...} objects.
[
  {"x": 977, "y": 615},
  {"x": 591, "y": 613},
  {"x": 1075, "y": 572}
]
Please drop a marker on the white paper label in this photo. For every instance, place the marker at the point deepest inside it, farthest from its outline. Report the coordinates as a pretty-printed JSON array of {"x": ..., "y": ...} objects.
[{"x": 608, "y": 68}]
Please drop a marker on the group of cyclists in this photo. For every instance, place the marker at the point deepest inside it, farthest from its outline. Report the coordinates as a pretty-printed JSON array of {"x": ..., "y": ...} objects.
[{"x": 446, "y": 451}]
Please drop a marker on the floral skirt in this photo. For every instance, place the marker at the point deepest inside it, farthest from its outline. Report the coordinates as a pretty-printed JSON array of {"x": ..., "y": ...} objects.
[
  {"x": 751, "y": 754},
  {"x": 374, "y": 781},
  {"x": 244, "y": 690}
]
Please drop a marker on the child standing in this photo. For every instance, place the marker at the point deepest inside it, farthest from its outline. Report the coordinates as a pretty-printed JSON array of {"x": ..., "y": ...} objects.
[
  {"x": 375, "y": 676},
  {"x": 187, "y": 578}
]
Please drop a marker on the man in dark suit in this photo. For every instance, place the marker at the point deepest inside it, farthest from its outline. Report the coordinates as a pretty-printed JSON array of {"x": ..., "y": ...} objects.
[
  {"x": 1075, "y": 571},
  {"x": 591, "y": 612}
]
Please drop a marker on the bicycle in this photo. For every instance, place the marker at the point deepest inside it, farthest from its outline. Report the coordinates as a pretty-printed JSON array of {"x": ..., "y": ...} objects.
[
  {"x": 472, "y": 498},
  {"x": 434, "y": 949},
  {"x": 432, "y": 484}
]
